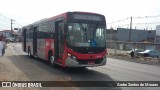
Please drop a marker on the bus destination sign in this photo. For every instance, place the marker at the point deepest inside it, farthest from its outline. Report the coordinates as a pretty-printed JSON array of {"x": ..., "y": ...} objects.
[{"x": 87, "y": 17}]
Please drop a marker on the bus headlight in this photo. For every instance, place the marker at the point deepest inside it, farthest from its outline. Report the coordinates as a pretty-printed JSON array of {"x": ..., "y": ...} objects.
[
  {"x": 104, "y": 57},
  {"x": 71, "y": 56}
]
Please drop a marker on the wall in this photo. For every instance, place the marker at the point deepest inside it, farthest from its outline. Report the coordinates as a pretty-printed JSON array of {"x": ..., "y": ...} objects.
[
  {"x": 136, "y": 35},
  {"x": 158, "y": 30}
]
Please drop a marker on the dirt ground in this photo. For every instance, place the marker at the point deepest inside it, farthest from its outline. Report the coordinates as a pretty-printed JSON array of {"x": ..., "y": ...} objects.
[{"x": 138, "y": 59}]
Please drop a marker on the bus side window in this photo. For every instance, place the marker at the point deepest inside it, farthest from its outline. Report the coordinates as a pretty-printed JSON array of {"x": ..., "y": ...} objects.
[
  {"x": 30, "y": 33},
  {"x": 27, "y": 33}
]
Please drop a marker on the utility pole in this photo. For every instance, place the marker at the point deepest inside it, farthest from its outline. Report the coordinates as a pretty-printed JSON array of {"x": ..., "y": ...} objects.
[
  {"x": 130, "y": 31},
  {"x": 11, "y": 26}
]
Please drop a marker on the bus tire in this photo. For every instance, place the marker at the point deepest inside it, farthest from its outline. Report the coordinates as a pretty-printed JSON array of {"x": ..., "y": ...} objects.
[
  {"x": 29, "y": 53},
  {"x": 51, "y": 59}
]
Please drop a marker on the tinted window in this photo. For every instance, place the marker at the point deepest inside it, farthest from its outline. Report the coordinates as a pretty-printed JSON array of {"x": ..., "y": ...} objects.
[{"x": 46, "y": 30}]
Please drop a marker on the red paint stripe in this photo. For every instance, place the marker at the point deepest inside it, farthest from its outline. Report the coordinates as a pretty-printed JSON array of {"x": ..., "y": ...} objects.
[
  {"x": 87, "y": 56},
  {"x": 47, "y": 47}
]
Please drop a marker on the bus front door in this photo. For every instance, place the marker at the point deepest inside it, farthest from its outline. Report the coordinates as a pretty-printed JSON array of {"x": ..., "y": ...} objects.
[{"x": 58, "y": 44}]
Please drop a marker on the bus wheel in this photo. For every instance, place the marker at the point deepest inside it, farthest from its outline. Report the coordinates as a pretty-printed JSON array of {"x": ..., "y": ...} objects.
[{"x": 51, "y": 59}]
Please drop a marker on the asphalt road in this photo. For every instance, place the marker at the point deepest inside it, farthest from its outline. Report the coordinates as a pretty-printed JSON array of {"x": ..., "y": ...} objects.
[{"x": 115, "y": 70}]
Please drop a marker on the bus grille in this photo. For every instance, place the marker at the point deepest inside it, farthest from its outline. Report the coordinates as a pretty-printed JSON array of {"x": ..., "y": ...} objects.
[{"x": 96, "y": 61}]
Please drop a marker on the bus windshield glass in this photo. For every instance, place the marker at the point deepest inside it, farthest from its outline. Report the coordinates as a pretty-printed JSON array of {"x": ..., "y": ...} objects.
[{"x": 86, "y": 35}]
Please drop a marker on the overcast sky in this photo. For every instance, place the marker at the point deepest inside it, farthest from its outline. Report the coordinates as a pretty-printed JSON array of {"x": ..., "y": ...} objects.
[{"x": 27, "y": 11}]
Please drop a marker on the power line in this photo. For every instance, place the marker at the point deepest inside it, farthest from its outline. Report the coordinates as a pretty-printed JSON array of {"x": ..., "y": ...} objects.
[
  {"x": 118, "y": 21},
  {"x": 11, "y": 21},
  {"x": 4, "y": 16},
  {"x": 2, "y": 24},
  {"x": 147, "y": 17},
  {"x": 124, "y": 25},
  {"x": 12, "y": 26},
  {"x": 4, "y": 20},
  {"x": 147, "y": 23},
  {"x": 18, "y": 24},
  {"x": 134, "y": 18}
]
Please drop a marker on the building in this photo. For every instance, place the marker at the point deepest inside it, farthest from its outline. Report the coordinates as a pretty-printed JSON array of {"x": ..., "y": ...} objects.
[
  {"x": 111, "y": 35},
  {"x": 138, "y": 37},
  {"x": 157, "y": 38},
  {"x": 135, "y": 35},
  {"x": 9, "y": 36},
  {"x": 6, "y": 33},
  {"x": 18, "y": 35}
]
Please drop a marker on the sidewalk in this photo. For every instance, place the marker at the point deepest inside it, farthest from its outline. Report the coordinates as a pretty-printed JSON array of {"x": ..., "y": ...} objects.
[
  {"x": 5, "y": 67},
  {"x": 8, "y": 71}
]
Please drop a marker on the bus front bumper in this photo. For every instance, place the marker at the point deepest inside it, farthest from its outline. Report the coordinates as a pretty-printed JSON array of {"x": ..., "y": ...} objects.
[{"x": 73, "y": 63}]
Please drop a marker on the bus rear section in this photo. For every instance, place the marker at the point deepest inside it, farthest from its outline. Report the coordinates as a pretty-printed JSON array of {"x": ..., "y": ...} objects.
[{"x": 75, "y": 39}]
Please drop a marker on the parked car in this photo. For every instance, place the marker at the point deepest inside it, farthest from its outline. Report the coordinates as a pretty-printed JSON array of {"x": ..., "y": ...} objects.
[
  {"x": 150, "y": 53},
  {"x": 135, "y": 50},
  {"x": 10, "y": 39}
]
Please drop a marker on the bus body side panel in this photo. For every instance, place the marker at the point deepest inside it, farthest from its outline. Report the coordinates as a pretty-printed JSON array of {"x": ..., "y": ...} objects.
[
  {"x": 51, "y": 47},
  {"x": 41, "y": 48},
  {"x": 47, "y": 47},
  {"x": 24, "y": 46},
  {"x": 64, "y": 55}
]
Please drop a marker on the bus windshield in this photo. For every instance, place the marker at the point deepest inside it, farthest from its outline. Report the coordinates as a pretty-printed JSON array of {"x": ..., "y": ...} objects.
[{"x": 86, "y": 35}]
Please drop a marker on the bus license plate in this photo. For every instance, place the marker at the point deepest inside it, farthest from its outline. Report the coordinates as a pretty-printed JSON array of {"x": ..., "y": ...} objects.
[{"x": 91, "y": 63}]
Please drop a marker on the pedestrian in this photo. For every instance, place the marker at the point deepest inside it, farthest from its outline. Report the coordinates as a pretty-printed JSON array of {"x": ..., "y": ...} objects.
[
  {"x": 4, "y": 46},
  {"x": 1, "y": 46},
  {"x": 132, "y": 54}
]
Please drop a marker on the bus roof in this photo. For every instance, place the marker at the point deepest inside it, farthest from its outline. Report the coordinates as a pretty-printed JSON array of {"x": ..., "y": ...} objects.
[{"x": 64, "y": 15}]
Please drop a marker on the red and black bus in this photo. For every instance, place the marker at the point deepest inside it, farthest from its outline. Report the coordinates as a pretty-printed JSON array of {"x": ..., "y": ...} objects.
[{"x": 72, "y": 39}]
